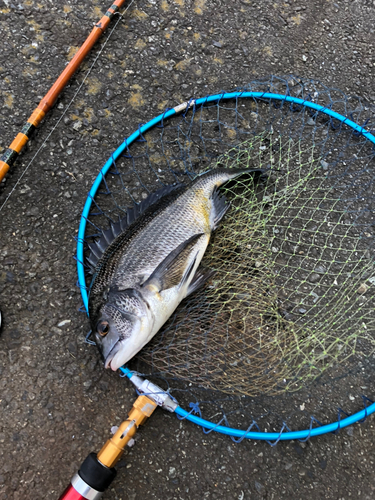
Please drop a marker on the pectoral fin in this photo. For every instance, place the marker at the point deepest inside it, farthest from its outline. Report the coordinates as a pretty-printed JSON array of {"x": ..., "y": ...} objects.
[{"x": 172, "y": 270}]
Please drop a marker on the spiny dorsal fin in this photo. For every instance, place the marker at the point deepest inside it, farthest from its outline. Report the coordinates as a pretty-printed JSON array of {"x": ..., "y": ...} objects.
[{"x": 99, "y": 246}]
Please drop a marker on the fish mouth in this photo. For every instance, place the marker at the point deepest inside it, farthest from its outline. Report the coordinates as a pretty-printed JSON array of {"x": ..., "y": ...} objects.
[
  {"x": 109, "y": 360},
  {"x": 120, "y": 354},
  {"x": 107, "y": 364}
]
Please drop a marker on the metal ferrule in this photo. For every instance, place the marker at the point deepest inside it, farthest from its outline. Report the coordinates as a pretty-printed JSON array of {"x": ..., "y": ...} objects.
[
  {"x": 154, "y": 392},
  {"x": 184, "y": 105},
  {"x": 84, "y": 489}
]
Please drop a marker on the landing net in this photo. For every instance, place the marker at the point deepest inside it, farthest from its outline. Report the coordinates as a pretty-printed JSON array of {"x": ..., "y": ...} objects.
[{"x": 283, "y": 336}]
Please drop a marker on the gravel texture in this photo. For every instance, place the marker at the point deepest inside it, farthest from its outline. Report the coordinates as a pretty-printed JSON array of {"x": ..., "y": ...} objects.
[{"x": 57, "y": 402}]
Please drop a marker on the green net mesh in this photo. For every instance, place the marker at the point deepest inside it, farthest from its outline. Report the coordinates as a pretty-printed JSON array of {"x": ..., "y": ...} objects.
[{"x": 292, "y": 291}]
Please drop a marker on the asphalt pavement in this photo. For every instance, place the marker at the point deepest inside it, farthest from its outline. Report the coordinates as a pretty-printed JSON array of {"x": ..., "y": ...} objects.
[{"x": 57, "y": 403}]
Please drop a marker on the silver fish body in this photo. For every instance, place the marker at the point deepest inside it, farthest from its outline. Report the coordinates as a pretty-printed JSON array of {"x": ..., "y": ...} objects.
[{"x": 151, "y": 265}]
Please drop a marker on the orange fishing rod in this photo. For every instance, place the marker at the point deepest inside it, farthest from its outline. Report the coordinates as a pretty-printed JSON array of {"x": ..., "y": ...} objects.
[{"x": 11, "y": 154}]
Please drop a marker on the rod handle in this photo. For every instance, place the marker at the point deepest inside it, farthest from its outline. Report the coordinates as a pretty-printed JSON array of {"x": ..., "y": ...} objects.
[{"x": 92, "y": 479}]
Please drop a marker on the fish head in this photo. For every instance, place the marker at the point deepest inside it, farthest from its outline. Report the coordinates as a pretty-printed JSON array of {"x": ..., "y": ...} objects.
[{"x": 118, "y": 331}]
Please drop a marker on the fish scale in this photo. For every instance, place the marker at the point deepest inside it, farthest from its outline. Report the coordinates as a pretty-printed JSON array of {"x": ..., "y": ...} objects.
[
  {"x": 106, "y": 267},
  {"x": 179, "y": 221}
]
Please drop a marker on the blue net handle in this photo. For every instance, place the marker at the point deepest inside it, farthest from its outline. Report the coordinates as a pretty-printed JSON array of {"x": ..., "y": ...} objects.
[{"x": 236, "y": 433}]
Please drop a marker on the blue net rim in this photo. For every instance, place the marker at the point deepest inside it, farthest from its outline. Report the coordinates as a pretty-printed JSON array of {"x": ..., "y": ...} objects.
[
  {"x": 271, "y": 436},
  {"x": 234, "y": 433}
]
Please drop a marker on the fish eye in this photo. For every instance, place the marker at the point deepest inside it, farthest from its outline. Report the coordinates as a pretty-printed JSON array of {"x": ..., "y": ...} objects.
[{"x": 103, "y": 328}]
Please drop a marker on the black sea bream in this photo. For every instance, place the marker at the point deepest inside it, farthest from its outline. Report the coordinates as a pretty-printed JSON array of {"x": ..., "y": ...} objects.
[{"x": 147, "y": 263}]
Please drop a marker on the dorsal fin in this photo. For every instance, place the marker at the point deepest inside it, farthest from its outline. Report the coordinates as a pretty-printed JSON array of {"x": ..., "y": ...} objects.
[{"x": 99, "y": 246}]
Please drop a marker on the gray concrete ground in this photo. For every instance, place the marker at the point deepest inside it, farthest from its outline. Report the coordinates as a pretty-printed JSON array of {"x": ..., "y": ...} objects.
[{"x": 57, "y": 404}]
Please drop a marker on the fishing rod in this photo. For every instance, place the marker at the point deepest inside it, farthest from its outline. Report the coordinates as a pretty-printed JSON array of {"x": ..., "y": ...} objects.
[
  {"x": 11, "y": 154},
  {"x": 97, "y": 471}
]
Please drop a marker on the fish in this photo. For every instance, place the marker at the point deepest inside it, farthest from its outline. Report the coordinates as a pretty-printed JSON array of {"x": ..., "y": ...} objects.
[{"x": 145, "y": 264}]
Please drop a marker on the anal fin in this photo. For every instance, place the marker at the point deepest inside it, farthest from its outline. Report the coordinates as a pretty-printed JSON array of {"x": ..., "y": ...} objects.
[{"x": 200, "y": 278}]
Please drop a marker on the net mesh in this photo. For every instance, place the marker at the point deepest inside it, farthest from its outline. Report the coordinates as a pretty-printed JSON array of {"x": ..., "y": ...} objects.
[
  {"x": 291, "y": 292},
  {"x": 286, "y": 326}
]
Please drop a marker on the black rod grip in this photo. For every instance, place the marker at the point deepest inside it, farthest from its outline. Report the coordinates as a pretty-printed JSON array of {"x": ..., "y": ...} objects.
[{"x": 95, "y": 474}]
